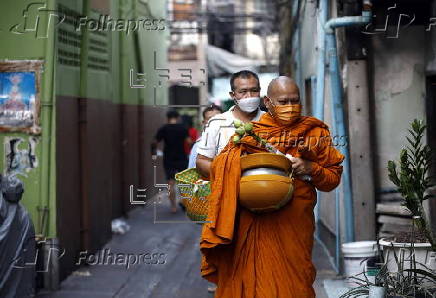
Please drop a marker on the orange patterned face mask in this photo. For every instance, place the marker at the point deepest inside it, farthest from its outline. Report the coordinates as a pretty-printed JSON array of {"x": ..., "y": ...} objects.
[{"x": 286, "y": 114}]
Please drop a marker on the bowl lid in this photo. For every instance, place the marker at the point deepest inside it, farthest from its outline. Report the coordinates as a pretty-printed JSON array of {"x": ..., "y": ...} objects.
[{"x": 265, "y": 160}]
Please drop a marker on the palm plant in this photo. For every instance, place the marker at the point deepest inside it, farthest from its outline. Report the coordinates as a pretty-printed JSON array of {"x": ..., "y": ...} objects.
[{"x": 412, "y": 179}]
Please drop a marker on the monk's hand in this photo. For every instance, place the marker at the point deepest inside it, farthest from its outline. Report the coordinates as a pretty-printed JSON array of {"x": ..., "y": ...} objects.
[{"x": 301, "y": 166}]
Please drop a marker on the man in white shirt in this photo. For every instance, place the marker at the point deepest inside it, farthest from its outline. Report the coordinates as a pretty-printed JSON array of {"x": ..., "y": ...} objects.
[
  {"x": 208, "y": 113},
  {"x": 246, "y": 95}
]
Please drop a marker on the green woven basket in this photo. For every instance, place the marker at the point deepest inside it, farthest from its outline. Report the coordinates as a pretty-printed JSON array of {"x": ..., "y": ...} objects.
[{"x": 194, "y": 195}]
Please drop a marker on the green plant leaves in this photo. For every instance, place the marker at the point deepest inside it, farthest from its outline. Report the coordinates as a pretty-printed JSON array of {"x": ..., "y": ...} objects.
[
  {"x": 427, "y": 274},
  {"x": 411, "y": 178},
  {"x": 402, "y": 282},
  {"x": 393, "y": 176}
]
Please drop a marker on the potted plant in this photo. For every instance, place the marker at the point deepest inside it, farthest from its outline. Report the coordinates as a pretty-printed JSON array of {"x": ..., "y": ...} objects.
[
  {"x": 407, "y": 268},
  {"x": 405, "y": 281},
  {"x": 411, "y": 178}
]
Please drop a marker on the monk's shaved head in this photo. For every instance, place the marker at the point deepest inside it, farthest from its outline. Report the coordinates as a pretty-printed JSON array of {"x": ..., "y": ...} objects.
[
  {"x": 281, "y": 83},
  {"x": 281, "y": 91}
]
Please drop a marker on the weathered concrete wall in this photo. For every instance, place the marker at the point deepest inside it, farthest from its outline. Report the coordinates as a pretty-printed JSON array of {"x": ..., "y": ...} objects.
[
  {"x": 308, "y": 35},
  {"x": 430, "y": 35},
  {"x": 397, "y": 72},
  {"x": 399, "y": 93}
]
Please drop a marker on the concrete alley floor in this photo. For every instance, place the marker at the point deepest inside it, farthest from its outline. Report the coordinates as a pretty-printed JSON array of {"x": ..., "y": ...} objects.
[{"x": 178, "y": 277}]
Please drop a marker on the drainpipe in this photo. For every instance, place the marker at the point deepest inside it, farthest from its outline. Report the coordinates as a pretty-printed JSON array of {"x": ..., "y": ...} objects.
[
  {"x": 318, "y": 108},
  {"x": 47, "y": 228},
  {"x": 83, "y": 166},
  {"x": 296, "y": 42},
  {"x": 48, "y": 217},
  {"x": 337, "y": 103},
  {"x": 320, "y": 72}
]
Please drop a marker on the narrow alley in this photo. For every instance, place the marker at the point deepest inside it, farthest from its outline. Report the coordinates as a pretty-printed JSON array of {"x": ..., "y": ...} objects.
[{"x": 178, "y": 277}]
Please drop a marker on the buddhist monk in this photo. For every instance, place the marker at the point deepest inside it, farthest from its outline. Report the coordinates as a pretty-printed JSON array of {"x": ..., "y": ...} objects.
[{"x": 268, "y": 255}]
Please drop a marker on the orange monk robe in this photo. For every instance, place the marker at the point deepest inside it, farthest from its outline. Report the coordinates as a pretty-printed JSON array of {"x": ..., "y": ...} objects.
[{"x": 267, "y": 255}]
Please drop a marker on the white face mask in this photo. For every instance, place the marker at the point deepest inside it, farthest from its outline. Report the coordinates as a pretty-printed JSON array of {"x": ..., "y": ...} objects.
[{"x": 249, "y": 104}]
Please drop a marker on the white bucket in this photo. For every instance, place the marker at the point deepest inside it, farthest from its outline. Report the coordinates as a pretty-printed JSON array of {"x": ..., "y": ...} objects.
[{"x": 355, "y": 255}]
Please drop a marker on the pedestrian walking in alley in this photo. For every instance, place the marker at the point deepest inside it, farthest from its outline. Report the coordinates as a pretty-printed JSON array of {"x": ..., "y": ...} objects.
[
  {"x": 269, "y": 255},
  {"x": 245, "y": 92},
  {"x": 174, "y": 135},
  {"x": 192, "y": 131}
]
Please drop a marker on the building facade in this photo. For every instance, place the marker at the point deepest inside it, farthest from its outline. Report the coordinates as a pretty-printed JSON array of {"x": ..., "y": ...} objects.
[
  {"x": 376, "y": 72},
  {"x": 98, "y": 67}
]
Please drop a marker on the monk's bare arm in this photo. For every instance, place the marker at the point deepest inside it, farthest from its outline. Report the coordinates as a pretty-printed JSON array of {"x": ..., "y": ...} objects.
[{"x": 203, "y": 165}]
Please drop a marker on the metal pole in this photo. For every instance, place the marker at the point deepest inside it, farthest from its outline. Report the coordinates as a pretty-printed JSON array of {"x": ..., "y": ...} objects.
[
  {"x": 320, "y": 72},
  {"x": 339, "y": 129},
  {"x": 51, "y": 264},
  {"x": 318, "y": 110}
]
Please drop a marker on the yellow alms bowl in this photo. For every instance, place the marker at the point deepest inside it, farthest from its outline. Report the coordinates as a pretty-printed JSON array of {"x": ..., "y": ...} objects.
[{"x": 265, "y": 183}]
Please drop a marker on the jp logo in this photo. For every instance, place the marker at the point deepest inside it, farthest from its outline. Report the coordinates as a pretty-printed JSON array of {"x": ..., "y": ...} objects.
[
  {"x": 51, "y": 252},
  {"x": 38, "y": 19},
  {"x": 394, "y": 20}
]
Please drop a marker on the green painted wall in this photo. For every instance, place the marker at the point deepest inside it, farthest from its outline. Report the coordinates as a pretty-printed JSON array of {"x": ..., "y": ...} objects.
[
  {"x": 40, "y": 181},
  {"x": 68, "y": 50},
  {"x": 150, "y": 42},
  {"x": 113, "y": 55},
  {"x": 122, "y": 54},
  {"x": 139, "y": 55},
  {"x": 128, "y": 56}
]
